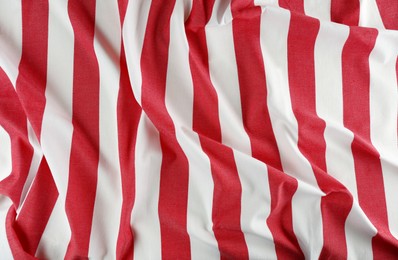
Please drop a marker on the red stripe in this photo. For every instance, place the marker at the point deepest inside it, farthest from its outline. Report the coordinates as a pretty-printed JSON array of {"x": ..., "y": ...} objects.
[
  {"x": 30, "y": 87},
  {"x": 21, "y": 153},
  {"x": 371, "y": 193},
  {"x": 227, "y": 189},
  {"x": 173, "y": 194},
  {"x": 15, "y": 245},
  {"x": 85, "y": 119},
  {"x": 128, "y": 117},
  {"x": 15, "y": 123},
  {"x": 37, "y": 208},
  {"x": 122, "y": 4},
  {"x": 128, "y": 113},
  {"x": 345, "y": 12},
  {"x": 337, "y": 203},
  {"x": 293, "y": 5},
  {"x": 32, "y": 77},
  {"x": 389, "y": 13},
  {"x": 227, "y": 195},
  {"x": 203, "y": 113},
  {"x": 252, "y": 82}
]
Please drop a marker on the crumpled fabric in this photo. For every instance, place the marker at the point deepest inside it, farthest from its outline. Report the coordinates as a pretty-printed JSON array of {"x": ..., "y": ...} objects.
[{"x": 199, "y": 129}]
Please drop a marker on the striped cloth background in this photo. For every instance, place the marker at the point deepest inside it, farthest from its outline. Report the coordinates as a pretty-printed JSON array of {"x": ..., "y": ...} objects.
[{"x": 198, "y": 129}]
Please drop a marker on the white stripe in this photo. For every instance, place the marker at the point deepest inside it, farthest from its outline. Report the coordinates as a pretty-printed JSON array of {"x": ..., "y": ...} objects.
[
  {"x": 56, "y": 132},
  {"x": 108, "y": 198},
  {"x": 5, "y": 154},
  {"x": 224, "y": 76},
  {"x": 255, "y": 202},
  {"x": 369, "y": 15},
  {"x": 34, "y": 165},
  {"x": 56, "y": 235},
  {"x": 144, "y": 219},
  {"x": 307, "y": 220},
  {"x": 359, "y": 232},
  {"x": 383, "y": 116},
  {"x": 256, "y": 206},
  {"x": 10, "y": 38},
  {"x": 134, "y": 27},
  {"x": 5, "y": 201},
  {"x": 179, "y": 103},
  {"x": 319, "y": 9},
  {"x": 264, "y": 3},
  {"x": 329, "y": 105},
  {"x": 200, "y": 199}
]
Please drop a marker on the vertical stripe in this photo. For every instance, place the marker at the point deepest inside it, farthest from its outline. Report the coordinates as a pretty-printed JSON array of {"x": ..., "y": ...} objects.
[
  {"x": 329, "y": 103},
  {"x": 200, "y": 200},
  {"x": 329, "y": 106},
  {"x": 199, "y": 65},
  {"x": 128, "y": 115},
  {"x": 37, "y": 209},
  {"x": 11, "y": 38},
  {"x": 370, "y": 183},
  {"x": 108, "y": 199},
  {"x": 145, "y": 218},
  {"x": 383, "y": 116},
  {"x": 125, "y": 245},
  {"x": 16, "y": 126},
  {"x": 207, "y": 125},
  {"x": 56, "y": 134},
  {"x": 85, "y": 119},
  {"x": 5, "y": 154},
  {"x": 337, "y": 202},
  {"x": 134, "y": 28},
  {"x": 174, "y": 172},
  {"x": 181, "y": 106},
  {"x": 31, "y": 81},
  {"x": 228, "y": 197},
  {"x": 5, "y": 202},
  {"x": 307, "y": 221},
  {"x": 198, "y": 171},
  {"x": 345, "y": 12},
  {"x": 11, "y": 187},
  {"x": 253, "y": 92},
  {"x": 224, "y": 77},
  {"x": 255, "y": 206},
  {"x": 30, "y": 86}
]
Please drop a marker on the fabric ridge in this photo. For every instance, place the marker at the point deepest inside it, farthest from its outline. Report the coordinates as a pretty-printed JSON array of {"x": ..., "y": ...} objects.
[{"x": 199, "y": 129}]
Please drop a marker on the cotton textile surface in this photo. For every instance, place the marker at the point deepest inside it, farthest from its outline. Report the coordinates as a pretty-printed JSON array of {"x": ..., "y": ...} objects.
[{"x": 199, "y": 129}]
